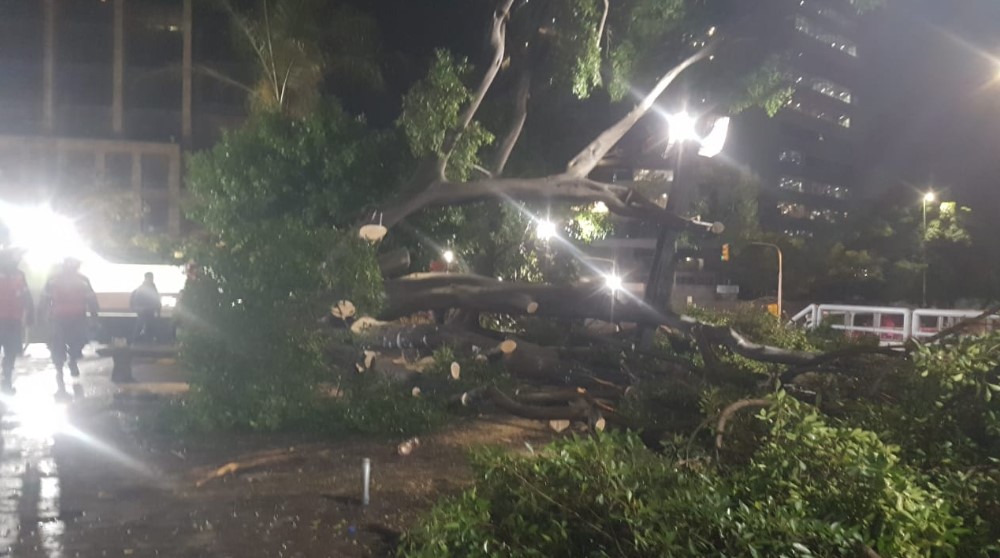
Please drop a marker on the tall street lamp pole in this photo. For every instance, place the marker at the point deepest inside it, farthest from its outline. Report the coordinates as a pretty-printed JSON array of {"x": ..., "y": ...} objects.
[
  {"x": 928, "y": 198},
  {"x": 781, "y": 267},
  {"x": 684, "y": 135}
]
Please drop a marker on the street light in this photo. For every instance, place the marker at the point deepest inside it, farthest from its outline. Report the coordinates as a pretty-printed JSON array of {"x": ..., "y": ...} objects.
[
  {"x": 613, "y": 282},
  {"x": 780, "y": 269},
  {"x": 448, "y": 256},
  {"x": 682, "y": 127},
  {"x": 683, "y": 132},
  {"x": 929, "y": 197},
  {"x": 545, "y": 229}
]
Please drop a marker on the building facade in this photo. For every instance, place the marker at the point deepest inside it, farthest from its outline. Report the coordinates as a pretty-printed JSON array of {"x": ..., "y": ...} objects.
[
  {"x": 806, "y": 155},
  {"x": 106, "y": 96}
]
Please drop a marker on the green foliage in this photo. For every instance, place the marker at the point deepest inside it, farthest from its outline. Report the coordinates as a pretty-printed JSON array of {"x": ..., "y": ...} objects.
[
  {"x": 588, "y": 225},
  {"x": 321, "y": 169},
  {"x": 431, "y": 110},
  {"x": 578, "y": 25},
  {"x": 622, "y": 61},
  {"x": 252, "y": 367},
  {"x": 637, "y": 29},
  {"x": 945, "y": 417},
  {"x": 729, "y": 196},
  {"x": 767, "y": 87},
  {"x": 949, "y": 225},
  {"x": 282, "y": 38},
  {"x": 609, "y": 496},
  {"x": 376, "y": 406},
  {"x": 292, "y": 52},
  {"x": 849, "y": 476},
  {"x": 269, "y": 197},
  {"x": 758, "y": 326}
]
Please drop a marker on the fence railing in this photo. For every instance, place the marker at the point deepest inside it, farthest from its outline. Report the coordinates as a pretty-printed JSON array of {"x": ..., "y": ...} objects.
[{"x": 891, "y": 325}]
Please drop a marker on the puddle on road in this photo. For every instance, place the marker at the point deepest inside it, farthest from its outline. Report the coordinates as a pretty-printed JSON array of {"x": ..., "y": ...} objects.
[{"x": 30, "y": 523}]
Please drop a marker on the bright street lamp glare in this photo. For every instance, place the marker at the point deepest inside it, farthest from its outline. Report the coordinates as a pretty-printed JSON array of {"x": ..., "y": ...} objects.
[
  {"x": 929, "y": 197},
  {"x": 682, "y": 127},
  {"x": 613, "y": 282},
  {"x": 448, "y": 256},
  {"x": 715, "y": 141},
  {"x": 545, "y": 229}
]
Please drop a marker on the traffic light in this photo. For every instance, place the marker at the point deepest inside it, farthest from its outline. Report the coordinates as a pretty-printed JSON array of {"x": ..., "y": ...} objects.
[{"x": 725, "y": 252}]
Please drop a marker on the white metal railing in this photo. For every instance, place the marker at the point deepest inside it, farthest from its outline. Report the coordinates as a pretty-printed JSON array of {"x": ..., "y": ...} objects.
[{"x": 892, "y": 325}]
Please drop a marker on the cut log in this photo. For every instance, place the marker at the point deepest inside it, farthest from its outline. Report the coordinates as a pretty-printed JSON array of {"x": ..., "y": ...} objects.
[{"x": 395, "y": 263}]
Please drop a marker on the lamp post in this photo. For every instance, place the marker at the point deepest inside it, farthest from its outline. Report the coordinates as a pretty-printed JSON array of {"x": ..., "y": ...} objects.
[
  {"x": 928, "y": 198},
  {"x": 684, "y": 136},
  {"x": 780, "y": 270}
]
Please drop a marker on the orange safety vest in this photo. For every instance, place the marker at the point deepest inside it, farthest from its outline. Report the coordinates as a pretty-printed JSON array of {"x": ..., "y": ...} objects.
[
  {"x": 13, "y": 290},
  {"x": 70, "y": 294}
]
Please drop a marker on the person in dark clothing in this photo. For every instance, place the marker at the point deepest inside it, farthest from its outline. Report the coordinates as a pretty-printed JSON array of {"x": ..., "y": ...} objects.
[
  {"x": 145, "y": 302},
  {"x": 16, "y": 311},
  {"x": 66, "y": 299}
]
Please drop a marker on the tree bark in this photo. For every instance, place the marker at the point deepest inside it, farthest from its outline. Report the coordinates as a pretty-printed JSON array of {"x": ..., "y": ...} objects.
[
  {"x": 498, "y": 37},
  {"x": 521, "y": 96},
  {"x": 620, "y": 200},
  {"x": 586, "y": 160}
]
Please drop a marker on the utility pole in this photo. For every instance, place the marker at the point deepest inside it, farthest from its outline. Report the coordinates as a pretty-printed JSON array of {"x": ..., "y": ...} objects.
[{"x": 780, "y": 271}]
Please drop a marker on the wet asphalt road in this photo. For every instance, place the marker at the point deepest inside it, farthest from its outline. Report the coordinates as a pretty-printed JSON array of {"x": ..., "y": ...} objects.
[{"x": 60, "y": 469}]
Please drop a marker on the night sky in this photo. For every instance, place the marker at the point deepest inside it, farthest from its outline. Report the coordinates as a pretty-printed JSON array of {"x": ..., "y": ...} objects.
[
  {"x": 929, "y": 86},
  {"x": 934, "y": 97}
]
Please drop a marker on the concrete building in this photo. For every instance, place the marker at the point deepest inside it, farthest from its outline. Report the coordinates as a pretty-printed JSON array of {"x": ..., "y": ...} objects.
[
  {"x": 107, "y": 94},
  {"x": 806, "y": 155}
]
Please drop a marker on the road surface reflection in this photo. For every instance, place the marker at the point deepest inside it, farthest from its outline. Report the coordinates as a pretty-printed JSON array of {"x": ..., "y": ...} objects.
[{"x": 31, "y": 425}]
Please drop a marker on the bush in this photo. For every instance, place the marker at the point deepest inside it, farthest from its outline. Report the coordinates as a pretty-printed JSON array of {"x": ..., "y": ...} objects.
[
  {"x": 270, "y": 197},
  {"x": 945, "y": 417},
  {"x": 849, "y": 476},
  {"x": 609, "y": 496}
]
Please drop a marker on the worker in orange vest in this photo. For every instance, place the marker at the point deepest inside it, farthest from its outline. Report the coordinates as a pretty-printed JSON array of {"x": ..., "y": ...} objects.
[
  {"x": 16, "y": 310},
  {"x": 65, "y": 302}
]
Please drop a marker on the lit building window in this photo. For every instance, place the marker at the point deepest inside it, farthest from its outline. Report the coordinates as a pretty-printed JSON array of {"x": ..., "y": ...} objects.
[
  {"x": 652, "y": 175},
  {"x": 827, "y": 215},
  {"x": 838, "y": 118},
  {"x": 794, "y": 210},
  {"x": 831, "y": 89},
  {"x": 790, "y": 156},
  {"x": 790, "y": 184},
  {"x": 816, "y": 188},
  {"x": 835, "y": 41},
  {"x": 834, "y": 16}
]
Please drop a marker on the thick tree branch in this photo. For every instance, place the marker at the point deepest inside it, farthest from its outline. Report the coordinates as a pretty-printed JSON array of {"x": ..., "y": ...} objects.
[
  {"x": 408, "y": 295},
  {"x": 586, "y": 160},
  {"x": 619, "y": 199},
  {"x": 586, "y": 300},
  {"x": 604, "y": 21},
  {"x": 506, "y": 147},
  {"x": 728, "y": 412},
  {"x": 740, "y": 345},
  {"x": 963, "y": 325},
  {"x": 498, "y": 37}
]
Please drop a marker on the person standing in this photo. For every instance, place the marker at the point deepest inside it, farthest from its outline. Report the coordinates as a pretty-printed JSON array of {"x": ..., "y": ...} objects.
[
  {"x": 145, "y": 302},
  {"x": 66, "y": 299},
  {"x": 16, "y": 311}
]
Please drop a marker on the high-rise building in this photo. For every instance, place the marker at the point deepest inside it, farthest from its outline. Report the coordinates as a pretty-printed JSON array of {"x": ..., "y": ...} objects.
[
  {"x": 806, "y": 155},
  {"x": 109, "y": 94}
]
